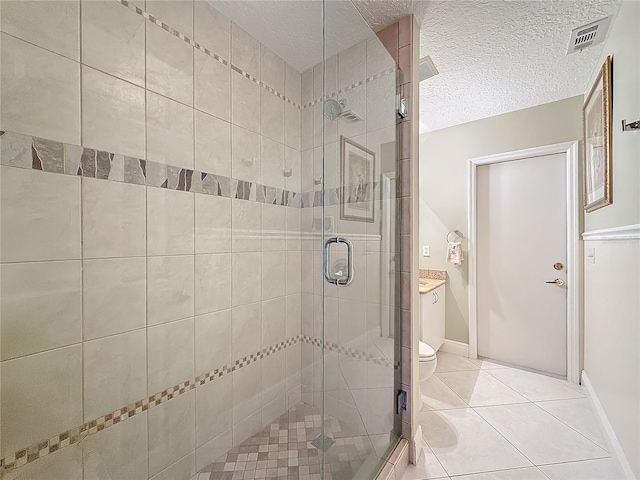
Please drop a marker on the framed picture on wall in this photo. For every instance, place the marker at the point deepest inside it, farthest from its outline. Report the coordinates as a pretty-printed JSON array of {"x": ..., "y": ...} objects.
[
  {"x": 357, "y": 165},
  {"x": 596, "y": 127}
]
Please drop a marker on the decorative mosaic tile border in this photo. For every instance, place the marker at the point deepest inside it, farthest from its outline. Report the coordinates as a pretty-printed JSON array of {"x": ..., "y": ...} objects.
[
  {"x": 70, "y": 437},
  {"x": 351, "y": 352},
  {"x": 237, "y": 69},
  {"x": 205, "y": 50},
  {"x": 24, "y": 151},
  {"x": 353, "y": 85},
  {"x": 35, "y": 153},
  {"x": 75, "y": 435}
]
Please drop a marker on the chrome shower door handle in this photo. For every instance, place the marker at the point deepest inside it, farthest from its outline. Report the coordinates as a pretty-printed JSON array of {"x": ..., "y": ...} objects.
[{"x": 327, "y": 246}]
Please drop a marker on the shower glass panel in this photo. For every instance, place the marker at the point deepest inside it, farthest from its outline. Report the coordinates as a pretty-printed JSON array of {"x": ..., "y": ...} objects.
[
  {"x": 169, "y": 179},
  {"x": 356, "y": 159}
]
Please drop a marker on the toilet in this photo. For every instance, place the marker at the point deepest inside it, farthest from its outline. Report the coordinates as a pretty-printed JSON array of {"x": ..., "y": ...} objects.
[{"x": 432, "y": 338}]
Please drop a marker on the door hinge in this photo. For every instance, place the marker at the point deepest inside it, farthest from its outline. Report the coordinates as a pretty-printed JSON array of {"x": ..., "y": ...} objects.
[
  {"x": 403, "y": 106},
  {"x": 401, "y": 403}
]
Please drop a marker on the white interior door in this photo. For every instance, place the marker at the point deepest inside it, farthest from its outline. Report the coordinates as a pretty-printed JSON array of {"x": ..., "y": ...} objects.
[{"x": 521, "y": 234}]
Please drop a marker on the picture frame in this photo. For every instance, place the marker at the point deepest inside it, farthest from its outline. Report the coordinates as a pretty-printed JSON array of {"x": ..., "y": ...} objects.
[
  {"x": 596, "y": 142},
  {"x": 357, "y": 174}
]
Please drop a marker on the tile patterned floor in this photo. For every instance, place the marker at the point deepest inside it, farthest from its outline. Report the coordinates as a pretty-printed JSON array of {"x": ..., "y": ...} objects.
[
  {"x": 485, "y": 421},
  {"x": 283, "y": 450}
]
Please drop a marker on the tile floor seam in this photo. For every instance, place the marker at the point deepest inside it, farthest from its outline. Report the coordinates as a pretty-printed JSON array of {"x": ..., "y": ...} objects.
[
  {"x": 569, "y": 426},
  {"x": 499, "y": 433}
]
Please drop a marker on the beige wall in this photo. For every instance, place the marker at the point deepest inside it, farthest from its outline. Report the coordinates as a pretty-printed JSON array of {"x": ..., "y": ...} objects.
[
  {"x": 444, "y": 157},
  {"x": 612, "y": 307}
]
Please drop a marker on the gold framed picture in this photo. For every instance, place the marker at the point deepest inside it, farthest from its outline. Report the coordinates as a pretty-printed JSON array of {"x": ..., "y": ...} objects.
[
  {"x": 357, "y": 165},
  {"x": 596, "y": 128}
]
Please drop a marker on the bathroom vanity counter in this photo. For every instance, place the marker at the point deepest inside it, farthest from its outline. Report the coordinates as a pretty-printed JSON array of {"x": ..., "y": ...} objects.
[{"x": 429, "y": 284}]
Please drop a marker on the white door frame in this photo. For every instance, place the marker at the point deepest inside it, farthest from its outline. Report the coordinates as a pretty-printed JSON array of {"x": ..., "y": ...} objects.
[{"x": 570, "y": 150}]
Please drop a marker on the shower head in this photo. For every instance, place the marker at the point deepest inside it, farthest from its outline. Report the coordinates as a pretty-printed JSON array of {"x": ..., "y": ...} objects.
[{"x": 333, "y": 108}]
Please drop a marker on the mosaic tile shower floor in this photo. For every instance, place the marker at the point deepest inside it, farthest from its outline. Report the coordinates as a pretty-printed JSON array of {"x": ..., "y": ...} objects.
[{"x": 283, "y": 450}]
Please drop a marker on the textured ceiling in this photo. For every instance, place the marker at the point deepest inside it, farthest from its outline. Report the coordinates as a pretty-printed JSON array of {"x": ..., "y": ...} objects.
[{"x": 495, "y": 57}]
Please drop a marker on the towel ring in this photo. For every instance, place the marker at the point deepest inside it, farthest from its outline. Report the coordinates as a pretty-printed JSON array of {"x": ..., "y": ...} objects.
[{"x": 455, "y": 232}]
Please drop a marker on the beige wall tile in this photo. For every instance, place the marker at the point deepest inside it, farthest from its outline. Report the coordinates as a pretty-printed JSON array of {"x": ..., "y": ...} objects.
[
  {"x": 272, "y": 163},
  {"x": 212, "y": 144},
  {"x": 169, "y": 288},
  {"x": 306, "y": 79},
  {"x": 212, "y": 224},
  {"x": 212, "y": 29},
  {"x": 176, "y": 13},
  {"x": 274, "y": 227},
  {"x": 113, "y": 114},
  {"x": 183, "y": 469},
  {"x": 273, "y": 321},
  {"x": 169, "y": 131},
  {"x": 66, "y": 463},
  {"x": 117, "y": 452},
  {"x": 169, "y": 64},
  {"x": 272, "y": 67},
  {"x": 245, "y": 51},
  {"x": 213, "y": 341},
  {"x": 245, "y": 157},
  {"x": 293, "y": 272},
  {"x": 214, "y": 449},
  {"x": 115, "y": 372},
  {"x": 247, "y": 387},
  {"x": 294, "y": 315},
  {"x": 38, "y": 206},
  {"x": 113, "y": 39},
  {"x": 41, "y": 306},
  {"x": 40, "y": 92},
  {"x": 352, "y": 65},
  {"x": 292, "y": 132},
  {"x": 170, "y": 355},
  {"x": 54, "y": 26},
  {"x": 113, "y": 219},
  {"x": 172, "y": 434},
  {"x": 212, "y": 283},
  {"x": 246, "y": 272},
  {"x": 273, "y": 275},
  {"x": 247, "y": 427},
  {"x": 49, "y": 403},
  {"x": 170, "y": 222},
  {"x": 272, "y": 115},
  {"x": 114, "y": 296},
  {"x": 246, "y": 330},
  {"x": 214, "y": 402},
  {"x": 273, "y": 378},
  {"x": 245, "y": 103},
  {"x": 212, "y": 86},
  {"x": 292, "y": 83},
  {"x": 246, "y": 233}
]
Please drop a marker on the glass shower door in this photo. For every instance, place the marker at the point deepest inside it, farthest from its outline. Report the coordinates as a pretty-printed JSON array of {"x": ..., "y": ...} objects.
[{"x": 356, "y": 165}]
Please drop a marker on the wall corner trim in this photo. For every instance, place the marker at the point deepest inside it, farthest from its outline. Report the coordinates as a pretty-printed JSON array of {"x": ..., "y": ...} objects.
[
  {"x": 456, "y": 348},
  {"x": 607, "y": 427},
  {"x": 625, "y": 232}
]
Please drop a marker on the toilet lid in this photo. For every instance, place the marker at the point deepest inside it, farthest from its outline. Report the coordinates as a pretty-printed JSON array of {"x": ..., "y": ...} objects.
[{"x": 425, "y": 351}]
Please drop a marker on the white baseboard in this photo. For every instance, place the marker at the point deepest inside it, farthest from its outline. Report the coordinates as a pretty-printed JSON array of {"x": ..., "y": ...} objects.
[
  {"x": 607, "y": 428},
  {"x": 457, "y": 348}
]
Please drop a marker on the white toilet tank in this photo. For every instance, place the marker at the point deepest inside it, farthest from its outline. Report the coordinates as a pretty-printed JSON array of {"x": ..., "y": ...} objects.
[{"x": 432, "y": 316}]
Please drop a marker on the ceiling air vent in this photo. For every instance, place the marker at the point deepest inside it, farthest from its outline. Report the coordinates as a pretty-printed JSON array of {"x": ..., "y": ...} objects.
[
  {"x": 588, "y": 35},
  {"x": 427, "y": 68}
]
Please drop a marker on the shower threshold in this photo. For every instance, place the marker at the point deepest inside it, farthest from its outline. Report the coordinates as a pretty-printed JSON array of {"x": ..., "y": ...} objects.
[{"x": 284, "y": 450}]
